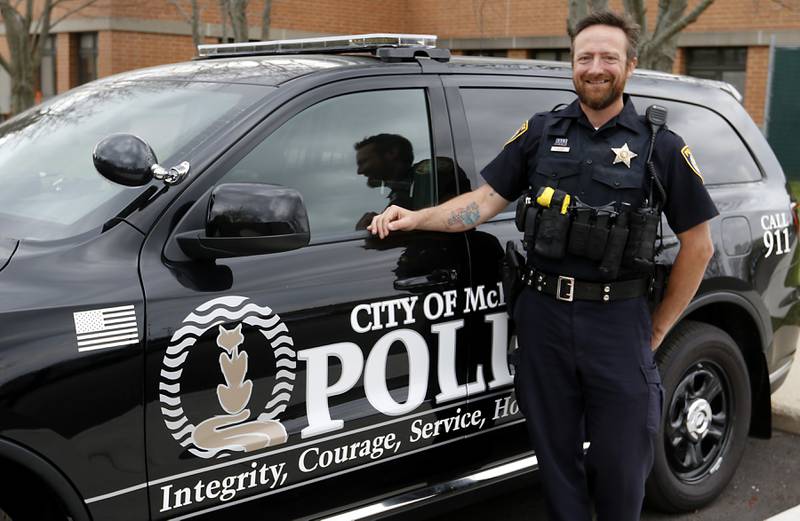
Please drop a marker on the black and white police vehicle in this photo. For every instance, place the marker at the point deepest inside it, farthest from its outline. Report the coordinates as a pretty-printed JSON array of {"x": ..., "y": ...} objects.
[{"x": 207, "y": 328}]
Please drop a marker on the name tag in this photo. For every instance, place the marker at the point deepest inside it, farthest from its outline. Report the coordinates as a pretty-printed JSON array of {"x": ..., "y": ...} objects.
[{"x": 559, "y": 149}]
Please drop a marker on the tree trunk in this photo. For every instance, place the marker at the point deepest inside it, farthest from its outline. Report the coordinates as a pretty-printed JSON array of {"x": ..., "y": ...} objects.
[
  {"x": 657, "y": 49},
  {"x": 223, "y": 17},
  {"x": 19, "y": 65},
  {"x": 237, "y": 11},
  {"x": 197, "y": 36},
  {"x": 266, "y": 15},
  {"x": 28, "y": 25}
]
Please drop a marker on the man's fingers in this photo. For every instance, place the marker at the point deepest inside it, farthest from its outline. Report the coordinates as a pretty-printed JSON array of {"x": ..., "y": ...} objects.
[{"x": 388, "y": 221}]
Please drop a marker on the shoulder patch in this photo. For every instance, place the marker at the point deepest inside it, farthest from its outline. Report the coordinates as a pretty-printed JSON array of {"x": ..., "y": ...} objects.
[
  {"x": 689, "y": 158},
  {"x": 518, "y": 133}
]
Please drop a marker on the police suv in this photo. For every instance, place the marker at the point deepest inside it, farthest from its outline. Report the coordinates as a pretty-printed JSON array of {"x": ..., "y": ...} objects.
[{"x": 208, "y": 328}]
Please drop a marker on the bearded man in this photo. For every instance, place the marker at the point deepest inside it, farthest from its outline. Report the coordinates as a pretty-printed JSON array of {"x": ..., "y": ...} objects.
[{"x": 586, "y": 334}]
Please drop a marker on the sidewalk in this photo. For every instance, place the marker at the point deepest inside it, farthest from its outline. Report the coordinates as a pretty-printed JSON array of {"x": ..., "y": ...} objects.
[{"x": 786, "y": 401}]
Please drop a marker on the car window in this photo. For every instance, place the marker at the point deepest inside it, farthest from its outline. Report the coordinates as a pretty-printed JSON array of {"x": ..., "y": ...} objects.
[
  {"x": 724, "y": 159},
  {"x": 494, "y": 114},
  {"x": 350, "y": 157}
]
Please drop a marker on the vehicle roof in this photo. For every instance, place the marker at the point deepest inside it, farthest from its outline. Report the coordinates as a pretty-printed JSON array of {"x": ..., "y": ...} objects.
[{"x": 274, "y": 70}]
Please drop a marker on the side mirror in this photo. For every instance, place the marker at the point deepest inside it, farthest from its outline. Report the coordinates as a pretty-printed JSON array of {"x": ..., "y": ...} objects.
[
  {"x": 249, "y": 219},
  {"x": 124, "y": 159}
]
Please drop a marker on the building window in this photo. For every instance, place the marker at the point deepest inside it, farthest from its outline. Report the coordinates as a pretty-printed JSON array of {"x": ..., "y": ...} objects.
[
  {"x": 47, "y": 70},
  {"x": 497, "y": 53},
  {"x": 558, "y": 55},
  {"x": 718, "y": 63},
  {"x": 87, "y": 57}
]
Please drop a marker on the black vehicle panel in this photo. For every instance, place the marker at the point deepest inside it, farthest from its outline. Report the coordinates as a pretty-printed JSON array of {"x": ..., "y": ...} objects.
[
  {"x": 323, "y": 299},
  {"x": 67, "y": 392}
]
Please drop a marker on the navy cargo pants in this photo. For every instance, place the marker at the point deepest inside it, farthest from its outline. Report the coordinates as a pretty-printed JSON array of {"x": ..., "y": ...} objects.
[{"x": 585, "y": 372}]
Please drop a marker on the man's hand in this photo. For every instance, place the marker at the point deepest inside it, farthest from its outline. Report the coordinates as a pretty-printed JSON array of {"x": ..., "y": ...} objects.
[
  {"x": 394, "y": 219},
  {"x": 655, "y": 340}
]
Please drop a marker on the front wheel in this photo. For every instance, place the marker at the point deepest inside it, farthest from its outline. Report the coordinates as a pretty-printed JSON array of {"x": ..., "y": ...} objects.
[{"x": 705, "y": 420}]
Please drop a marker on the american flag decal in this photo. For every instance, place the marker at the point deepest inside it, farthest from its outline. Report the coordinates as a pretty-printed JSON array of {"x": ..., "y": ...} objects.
[{"x": 109, "y": 327}]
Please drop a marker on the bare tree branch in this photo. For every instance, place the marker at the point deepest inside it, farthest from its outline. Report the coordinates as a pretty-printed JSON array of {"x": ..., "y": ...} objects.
[
  {"x": 192, "y": 18},
  {"x": 181, "y": 11},
  {"x": 638, "y": 12},
  {"x": 577, "y": 10},
  {"x": 598, "y": 5},
  {"x": 785, "y": 5},
  {"x": 679, "y": 25}
]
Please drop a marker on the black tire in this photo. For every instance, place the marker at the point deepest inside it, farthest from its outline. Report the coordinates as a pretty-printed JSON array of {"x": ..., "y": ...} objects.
[
  {"x": 26, "y": 498},
  {"x": 706, "y": 417}
]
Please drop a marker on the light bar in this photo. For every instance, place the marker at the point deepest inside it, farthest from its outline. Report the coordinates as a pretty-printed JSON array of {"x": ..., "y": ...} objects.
[{"x": 352, "y": 42}]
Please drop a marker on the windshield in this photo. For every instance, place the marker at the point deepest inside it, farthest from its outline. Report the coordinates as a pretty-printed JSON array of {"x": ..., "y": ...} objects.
[{"x": 49, "y": 188}]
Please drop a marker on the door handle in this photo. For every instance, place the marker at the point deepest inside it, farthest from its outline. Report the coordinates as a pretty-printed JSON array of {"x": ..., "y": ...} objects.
[{"x": 433, "y": 279}]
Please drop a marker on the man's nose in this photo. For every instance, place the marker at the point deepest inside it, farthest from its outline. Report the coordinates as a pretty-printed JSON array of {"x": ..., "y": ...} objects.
[{"x": 596, "y": 65}]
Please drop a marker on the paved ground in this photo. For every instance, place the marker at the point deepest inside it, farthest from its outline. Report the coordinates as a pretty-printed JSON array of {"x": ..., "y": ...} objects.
[{"x": 766, "y": 483}]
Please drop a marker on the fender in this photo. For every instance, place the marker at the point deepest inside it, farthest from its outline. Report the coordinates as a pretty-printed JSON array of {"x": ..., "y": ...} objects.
[
  {"x": 764, "y": 333},
  {"x": 50, "y": 475},
  {"x": 761, "y": 419}
]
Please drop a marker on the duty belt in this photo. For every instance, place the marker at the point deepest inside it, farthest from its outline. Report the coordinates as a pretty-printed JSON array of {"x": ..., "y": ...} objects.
[{"x": 569, "y": 289}]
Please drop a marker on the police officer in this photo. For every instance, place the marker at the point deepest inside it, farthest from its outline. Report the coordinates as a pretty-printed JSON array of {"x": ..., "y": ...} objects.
[{"x": 586, "y": 367}]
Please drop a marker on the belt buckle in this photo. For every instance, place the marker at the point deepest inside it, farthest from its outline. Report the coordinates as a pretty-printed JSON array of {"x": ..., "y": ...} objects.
[{"x": 568, "y": 296}]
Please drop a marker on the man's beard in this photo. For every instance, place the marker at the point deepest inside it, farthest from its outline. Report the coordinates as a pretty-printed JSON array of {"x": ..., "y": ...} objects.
[{"x": 599, "y": 102}]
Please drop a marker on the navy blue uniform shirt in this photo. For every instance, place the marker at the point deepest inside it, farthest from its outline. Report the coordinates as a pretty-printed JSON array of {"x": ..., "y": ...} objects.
[{"x": 561, "y": 149}]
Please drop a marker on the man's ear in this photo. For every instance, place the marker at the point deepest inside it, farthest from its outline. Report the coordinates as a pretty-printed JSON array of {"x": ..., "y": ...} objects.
[{"x": 632, "y": 63}]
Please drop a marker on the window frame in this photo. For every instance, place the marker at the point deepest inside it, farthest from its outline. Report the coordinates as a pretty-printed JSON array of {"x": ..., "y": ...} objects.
[
  {"x": 88, "y": 54},
  {"x": 441, "y": 142}
]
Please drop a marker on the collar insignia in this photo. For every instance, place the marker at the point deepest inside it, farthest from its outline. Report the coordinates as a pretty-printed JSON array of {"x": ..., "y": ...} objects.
[{"x": 623, "y": 155}]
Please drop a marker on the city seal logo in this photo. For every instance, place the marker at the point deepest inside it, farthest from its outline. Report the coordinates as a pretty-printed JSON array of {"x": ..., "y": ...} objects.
[{"x": 237, "y": 428}]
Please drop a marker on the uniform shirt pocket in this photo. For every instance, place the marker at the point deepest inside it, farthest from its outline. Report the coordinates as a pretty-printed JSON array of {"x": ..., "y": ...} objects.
[
  {"x": 557, "y": 172},
  {"x": 617, "y": 185}
]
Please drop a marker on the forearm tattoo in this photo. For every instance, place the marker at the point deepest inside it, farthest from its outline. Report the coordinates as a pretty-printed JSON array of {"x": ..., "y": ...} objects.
[{"x": 468, "y": 216}]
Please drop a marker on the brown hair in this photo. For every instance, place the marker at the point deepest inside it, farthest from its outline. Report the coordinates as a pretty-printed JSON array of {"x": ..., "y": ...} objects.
[{"x": 605, "y": 17}]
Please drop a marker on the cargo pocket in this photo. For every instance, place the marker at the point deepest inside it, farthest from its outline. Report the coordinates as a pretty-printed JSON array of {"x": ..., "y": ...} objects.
[{"x": 655, "y": 397}]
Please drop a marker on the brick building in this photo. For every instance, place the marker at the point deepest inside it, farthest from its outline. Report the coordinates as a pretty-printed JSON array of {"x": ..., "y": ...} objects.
[{"x": 732, "y": 40}]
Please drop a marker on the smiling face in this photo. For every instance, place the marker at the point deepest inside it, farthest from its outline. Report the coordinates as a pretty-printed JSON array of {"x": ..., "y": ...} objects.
[{"x": 600, "y": 67}]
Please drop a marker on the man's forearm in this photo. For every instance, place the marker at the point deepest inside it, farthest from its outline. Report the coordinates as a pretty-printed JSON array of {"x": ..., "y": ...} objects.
[
  {"x": 685, "y": 277},
  {"x": 463, "y": 212}
]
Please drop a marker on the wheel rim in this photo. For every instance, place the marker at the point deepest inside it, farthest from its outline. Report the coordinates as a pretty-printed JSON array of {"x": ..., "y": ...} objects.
[{"x": 698, "y": 425}]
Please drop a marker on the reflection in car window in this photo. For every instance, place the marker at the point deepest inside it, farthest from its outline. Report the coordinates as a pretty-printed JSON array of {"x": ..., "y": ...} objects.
[
  {"x": 350, "y": 157},
  {"x": 724, "y": 159}
]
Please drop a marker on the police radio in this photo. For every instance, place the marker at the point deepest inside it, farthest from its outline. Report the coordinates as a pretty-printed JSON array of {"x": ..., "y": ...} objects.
[{"x": 644, "y": 221}]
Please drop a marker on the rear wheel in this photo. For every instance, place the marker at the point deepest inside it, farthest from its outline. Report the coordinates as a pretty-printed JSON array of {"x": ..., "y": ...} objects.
[{"x": 705, "y": 420}]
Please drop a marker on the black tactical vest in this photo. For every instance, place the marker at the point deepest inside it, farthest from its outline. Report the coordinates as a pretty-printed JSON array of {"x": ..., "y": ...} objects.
[{"x": 580, "y": 161}]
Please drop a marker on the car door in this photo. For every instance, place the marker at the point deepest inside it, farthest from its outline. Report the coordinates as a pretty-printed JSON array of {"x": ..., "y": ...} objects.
[
  {"x": 268, "y": 375},
  {"x": 486, "y": 112}
]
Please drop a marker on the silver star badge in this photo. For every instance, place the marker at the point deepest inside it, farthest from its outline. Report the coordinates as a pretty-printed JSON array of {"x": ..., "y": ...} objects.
[{"x": 623, "y": 155}]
